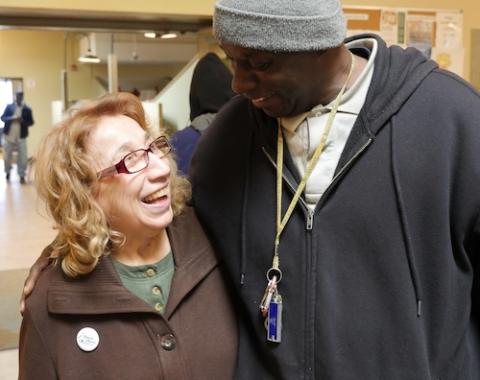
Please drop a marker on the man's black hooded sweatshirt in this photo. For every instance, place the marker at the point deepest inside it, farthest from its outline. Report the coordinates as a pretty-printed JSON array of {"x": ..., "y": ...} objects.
[{"x": 381, "y": 281}]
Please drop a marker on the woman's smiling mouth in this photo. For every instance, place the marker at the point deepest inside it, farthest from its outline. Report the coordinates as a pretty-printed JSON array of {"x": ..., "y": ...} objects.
[{"x": 156, "y": 196}]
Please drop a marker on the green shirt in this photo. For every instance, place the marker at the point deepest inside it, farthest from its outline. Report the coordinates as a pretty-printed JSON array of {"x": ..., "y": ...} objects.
[{"x": 150, "y": 282}]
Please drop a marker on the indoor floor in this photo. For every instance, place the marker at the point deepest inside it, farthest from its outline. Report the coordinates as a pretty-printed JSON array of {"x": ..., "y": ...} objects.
[{"x": 23, "y": 234}]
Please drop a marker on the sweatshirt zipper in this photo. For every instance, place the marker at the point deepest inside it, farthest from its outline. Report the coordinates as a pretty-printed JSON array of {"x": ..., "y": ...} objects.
[
  {"x": 309, "y": 370},
  {"x": 310, "y": 219},
  {"x": 289, "y": 184},
  {"x": 342, "y": 171},
  {"x": 311, "y": 213}
]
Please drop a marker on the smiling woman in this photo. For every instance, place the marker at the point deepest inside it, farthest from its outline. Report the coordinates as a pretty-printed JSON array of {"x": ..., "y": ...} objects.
[{"x": 131, "y": 264}]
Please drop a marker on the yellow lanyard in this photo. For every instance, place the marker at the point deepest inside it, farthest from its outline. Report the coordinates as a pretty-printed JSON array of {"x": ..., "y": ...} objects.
[{"x": 281, "y": 223}]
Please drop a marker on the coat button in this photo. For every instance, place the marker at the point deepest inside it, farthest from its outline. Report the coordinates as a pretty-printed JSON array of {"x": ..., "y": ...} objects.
[
  {"x": 168, "y": 342},
  {"x": 150, "y": 272},
  {"x": 159, "y": 307}
]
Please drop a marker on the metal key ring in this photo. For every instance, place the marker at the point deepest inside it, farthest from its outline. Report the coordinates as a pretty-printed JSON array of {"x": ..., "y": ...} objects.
[{"x": 272, "y": 272}]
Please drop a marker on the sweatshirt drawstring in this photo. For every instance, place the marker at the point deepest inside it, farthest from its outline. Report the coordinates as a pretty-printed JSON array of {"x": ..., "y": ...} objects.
[
  {"x": 404, "y": 222},
  {"x": 243, "y": 232}
]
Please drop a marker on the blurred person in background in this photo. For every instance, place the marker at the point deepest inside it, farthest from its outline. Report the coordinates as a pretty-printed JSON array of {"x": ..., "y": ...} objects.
[
  {"x": 210, "y": 89},
  {"x": 17, "y": 117}
]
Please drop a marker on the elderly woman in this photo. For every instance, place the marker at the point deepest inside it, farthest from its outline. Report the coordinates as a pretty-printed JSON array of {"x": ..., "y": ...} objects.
[{"x": 135, "y": 291}]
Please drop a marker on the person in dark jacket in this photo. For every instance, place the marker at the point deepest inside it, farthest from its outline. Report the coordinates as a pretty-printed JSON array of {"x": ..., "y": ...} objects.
[
  {"x": 210, "y": 89},
  {"x": 17, "y": 118},
  {"x": 136, "y": 291},
  {"x": 373, "y": 272}
]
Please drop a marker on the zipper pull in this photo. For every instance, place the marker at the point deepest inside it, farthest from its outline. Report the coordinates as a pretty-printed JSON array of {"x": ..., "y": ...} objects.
[{"x": 310, "y": 219}]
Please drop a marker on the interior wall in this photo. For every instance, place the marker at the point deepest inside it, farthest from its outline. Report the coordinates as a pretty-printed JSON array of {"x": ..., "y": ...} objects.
[
  {"x": 475, "y": 51},
  {"x": 175, "y": 99},
  {"x": 471, "y": 10},
  {"x": 142, "y": 76},
  {"x": 38, "y": 59},
  {"x": 178, "y": 7}
]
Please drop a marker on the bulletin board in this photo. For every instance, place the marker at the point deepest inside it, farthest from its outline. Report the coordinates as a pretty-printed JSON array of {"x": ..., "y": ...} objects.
[{"x": 437, "y": 33}]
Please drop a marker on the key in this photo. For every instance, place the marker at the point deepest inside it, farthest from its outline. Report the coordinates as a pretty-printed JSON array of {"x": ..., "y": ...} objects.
[{"x": 267, "y": 296}]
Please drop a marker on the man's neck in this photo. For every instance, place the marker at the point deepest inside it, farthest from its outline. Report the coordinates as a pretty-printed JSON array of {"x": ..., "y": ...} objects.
[{"x": 345, "y": 60}]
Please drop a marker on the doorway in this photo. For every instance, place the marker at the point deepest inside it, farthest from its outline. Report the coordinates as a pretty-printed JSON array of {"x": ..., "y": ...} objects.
[{"x": 8, "y": 88}]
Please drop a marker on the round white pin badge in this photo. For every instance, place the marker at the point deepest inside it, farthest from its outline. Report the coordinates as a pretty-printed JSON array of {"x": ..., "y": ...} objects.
[{"x": 88, "y": 339}]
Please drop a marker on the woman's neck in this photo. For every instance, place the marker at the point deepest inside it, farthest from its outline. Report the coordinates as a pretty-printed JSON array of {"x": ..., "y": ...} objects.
[{"x": 143, "y": 251}]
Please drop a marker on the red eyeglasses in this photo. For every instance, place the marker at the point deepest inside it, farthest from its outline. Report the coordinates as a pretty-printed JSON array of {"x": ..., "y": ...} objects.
[{"x": 138, "y": 160}]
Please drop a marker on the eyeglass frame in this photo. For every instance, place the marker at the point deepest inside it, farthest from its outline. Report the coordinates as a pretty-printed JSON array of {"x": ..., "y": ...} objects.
[{"x": 121, "y": 168}]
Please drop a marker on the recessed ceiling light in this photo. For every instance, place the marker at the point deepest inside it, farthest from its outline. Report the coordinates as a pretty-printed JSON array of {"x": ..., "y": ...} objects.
[
  {"x": 150, "y": 34},
  {"x": 166, "y": 36}
]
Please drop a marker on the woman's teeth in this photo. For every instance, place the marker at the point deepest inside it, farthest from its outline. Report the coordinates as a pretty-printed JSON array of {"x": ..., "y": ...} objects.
[{"x": 154, "y": 196}]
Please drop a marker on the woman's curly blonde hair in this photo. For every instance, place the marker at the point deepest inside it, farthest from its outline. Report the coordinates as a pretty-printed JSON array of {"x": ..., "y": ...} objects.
[{"x": 65, "y": 178}]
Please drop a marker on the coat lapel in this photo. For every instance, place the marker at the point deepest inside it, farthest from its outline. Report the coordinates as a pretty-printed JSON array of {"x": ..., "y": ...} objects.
[
  {"x": 102, "y": 292},
  {"x": 194, "y": 258}
]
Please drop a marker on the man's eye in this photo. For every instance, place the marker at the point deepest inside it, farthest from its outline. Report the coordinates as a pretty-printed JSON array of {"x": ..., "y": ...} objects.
[{"x": 260, "y": 65}]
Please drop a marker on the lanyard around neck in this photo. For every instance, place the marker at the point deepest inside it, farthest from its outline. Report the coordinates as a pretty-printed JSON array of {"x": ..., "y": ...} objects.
[{"x": 282, "y": 222}]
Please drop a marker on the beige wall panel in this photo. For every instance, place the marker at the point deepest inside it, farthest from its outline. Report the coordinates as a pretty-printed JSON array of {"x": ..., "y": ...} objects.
[
  {"x": 471, "y": 10},
  {"x": 179, "y": 7},
  {"x": 475, "y": 68},
  {"x": 38, "y": 59}
]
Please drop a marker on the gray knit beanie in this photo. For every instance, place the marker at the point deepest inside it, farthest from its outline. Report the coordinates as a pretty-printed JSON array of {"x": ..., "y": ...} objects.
[{"x": 280, "y": 25}]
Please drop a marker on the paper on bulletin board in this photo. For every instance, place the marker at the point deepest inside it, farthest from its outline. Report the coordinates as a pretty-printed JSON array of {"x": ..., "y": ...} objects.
[
  {"x": 449, "y": 30},
  {"x": 449, "y": 59},
  {"x": 421, "y": 28},
  {"x": 449, "y": 50},
  {"x": 362, "y": 20},
  {"x": 389, "y": 25},
  {"x": 436, "y": 33}
]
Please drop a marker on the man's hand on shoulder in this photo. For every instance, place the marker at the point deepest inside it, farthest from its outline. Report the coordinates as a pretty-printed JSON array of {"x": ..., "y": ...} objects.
[{"x": 33, "y": 275}]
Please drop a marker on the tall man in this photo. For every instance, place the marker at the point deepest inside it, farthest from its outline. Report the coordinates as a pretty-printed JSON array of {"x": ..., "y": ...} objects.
[
  {"x": 373, "y": 272},
  {"x": 17, "y": 118}
]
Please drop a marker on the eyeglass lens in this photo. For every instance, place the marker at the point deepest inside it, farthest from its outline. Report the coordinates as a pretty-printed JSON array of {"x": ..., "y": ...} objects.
[{"x": 138, "y": 159}]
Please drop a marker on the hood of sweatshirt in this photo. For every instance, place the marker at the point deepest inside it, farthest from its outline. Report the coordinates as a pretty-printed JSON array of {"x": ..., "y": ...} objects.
[
  {"x": 210, "y": 88},
  {"x": 397, "y": 74}
]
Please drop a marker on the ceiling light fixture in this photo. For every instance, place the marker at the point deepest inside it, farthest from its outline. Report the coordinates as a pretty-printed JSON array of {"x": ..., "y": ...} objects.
[
  {"x": 150, "y": 35},
  {"x": 134, "y": 56},
  {"x": 168, "y": 35},
  {"x": 165, "y": 35},
  {"x": 88, "y": 57}
]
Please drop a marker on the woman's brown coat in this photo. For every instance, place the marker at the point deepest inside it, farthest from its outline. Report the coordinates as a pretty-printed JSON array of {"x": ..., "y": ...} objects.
[{"x": 195, "y": 339}]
